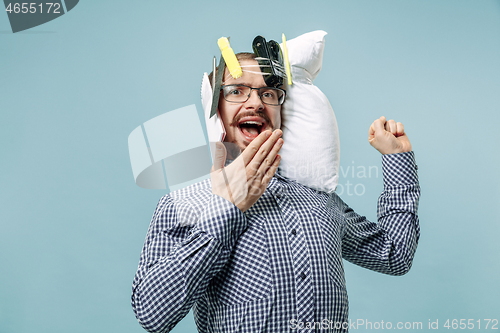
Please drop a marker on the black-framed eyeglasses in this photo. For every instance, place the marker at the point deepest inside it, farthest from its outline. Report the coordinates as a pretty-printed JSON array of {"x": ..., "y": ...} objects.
[{"x": 239, "y": 93}]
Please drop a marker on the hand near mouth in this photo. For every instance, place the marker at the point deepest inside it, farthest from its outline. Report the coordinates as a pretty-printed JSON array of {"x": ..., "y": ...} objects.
[{"x": 245, "y": 180}]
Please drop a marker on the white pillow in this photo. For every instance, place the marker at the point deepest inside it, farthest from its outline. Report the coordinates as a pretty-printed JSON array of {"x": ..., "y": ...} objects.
[{"x": 311, "y": 151}]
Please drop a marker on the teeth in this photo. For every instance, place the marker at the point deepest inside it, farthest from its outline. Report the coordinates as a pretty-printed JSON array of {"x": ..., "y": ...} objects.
[{"x": 251, "y": 123}]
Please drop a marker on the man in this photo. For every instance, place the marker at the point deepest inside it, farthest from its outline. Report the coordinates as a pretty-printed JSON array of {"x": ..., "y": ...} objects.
[{"x": 271, "y": 260}]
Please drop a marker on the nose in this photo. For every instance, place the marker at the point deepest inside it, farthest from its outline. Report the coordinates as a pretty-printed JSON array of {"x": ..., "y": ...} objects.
[{"x": 254, "y": 101}]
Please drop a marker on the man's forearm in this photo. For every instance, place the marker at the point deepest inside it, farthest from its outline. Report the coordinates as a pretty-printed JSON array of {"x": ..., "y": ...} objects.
[
  {"x": 397, "y": 209},
  {"x": 170, "y": 288},
  {"x": 175, "y": 270},
  {"x": 389, "y": 245}
]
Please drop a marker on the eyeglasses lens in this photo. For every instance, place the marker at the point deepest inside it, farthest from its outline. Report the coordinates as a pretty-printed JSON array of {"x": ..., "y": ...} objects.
[{"x": 240, "y": 94}]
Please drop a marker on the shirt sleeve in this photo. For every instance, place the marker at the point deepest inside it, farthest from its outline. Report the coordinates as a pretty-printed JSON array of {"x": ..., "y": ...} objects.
[
  {"x": 389, "y": 245},
  {"x": 181, "y": 254}
]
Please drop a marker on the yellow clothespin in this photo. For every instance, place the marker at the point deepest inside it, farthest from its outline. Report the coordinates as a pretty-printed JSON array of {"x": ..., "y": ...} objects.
[
  {"x": 230, "y": 58},
  {"x": 287, "y": 63}
]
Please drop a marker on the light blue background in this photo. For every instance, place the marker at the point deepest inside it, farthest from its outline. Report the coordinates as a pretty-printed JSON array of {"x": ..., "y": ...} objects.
[{"x": 73, "y": 221}]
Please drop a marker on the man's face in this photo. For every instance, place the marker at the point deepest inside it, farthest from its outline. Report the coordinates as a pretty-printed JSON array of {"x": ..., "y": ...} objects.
[{"x": 241, "y": 119}]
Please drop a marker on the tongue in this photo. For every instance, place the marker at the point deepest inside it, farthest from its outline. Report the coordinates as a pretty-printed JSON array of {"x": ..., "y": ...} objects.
[{"x": 250, "y": 131}]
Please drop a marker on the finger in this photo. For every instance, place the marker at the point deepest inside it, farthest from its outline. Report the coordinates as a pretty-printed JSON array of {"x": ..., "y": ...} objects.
[
  {"x": 387, "y": 127},
  {"x": 270, "y": 158},
  {"x": 219, "y": 156},
  {"x": 378, "y": 125},
  {"x": 264, "y": 149},
  {"x": 271, "y": 171},
  {"x": 371, "y": 130},
  {"x": 392, "y": 126},
  {"x": 254, "y": 146},
  {"x": 274, "y": 151},
  {"x": 400, "y": 130}
]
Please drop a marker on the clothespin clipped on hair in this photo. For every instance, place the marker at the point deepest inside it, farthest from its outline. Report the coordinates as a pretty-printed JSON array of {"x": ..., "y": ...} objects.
[
  {"x": 270, "y": 59},
  {"x": 216, "y": 86},
  {"x": 230, "y": 58},
  {"x": 287, "y": 63}
]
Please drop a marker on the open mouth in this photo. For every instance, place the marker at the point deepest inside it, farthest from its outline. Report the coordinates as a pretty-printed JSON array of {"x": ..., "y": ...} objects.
[{"x": 251, "y": 127}]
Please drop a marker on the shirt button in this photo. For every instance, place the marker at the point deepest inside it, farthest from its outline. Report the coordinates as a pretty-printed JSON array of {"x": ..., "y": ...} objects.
[
  {"x": 294, "y": 232},
  {"x": 303, "y": 276}
]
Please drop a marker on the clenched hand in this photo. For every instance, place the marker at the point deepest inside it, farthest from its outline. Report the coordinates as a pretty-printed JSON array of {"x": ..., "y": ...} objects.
[{"x": 388, "y": 137}]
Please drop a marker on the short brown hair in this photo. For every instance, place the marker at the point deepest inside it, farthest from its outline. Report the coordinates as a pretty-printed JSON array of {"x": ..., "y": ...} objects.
[{"x": 240, "y": 56}]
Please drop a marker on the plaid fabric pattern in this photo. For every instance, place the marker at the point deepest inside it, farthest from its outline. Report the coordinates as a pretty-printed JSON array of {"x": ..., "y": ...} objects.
[{"x": 278, "y": 266}]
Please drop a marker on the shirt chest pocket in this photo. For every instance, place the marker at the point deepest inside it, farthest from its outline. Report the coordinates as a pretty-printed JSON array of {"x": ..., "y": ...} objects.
[{"x": 247, "y": 275}]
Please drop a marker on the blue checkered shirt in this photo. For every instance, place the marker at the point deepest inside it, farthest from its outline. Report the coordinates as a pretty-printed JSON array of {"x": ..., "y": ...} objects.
[{"x": 276, "y": 267}]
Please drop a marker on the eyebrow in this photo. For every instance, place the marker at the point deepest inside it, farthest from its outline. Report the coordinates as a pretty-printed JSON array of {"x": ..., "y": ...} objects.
[{"x": 243, "y": 83}]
